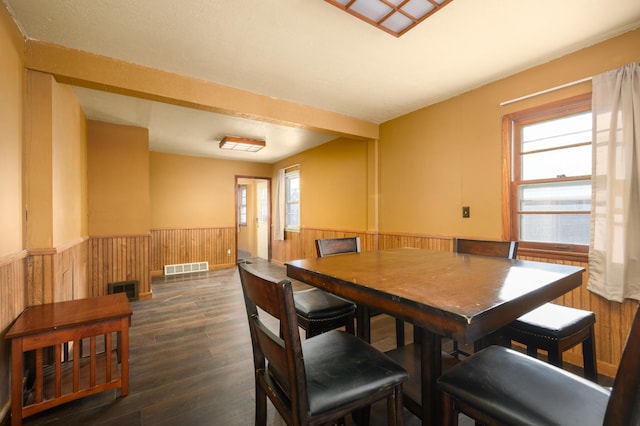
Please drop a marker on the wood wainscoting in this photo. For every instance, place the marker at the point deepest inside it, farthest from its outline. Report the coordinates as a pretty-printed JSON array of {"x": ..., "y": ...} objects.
[
  {"x": 613, "y": 320},
  {"x": 300, "y": 245},
  {"x": 57, "y": 274},
  {"x": 187, "y": 245},
  {"x": 13, "y": 299},
  {"x": 120, "y": 258}
]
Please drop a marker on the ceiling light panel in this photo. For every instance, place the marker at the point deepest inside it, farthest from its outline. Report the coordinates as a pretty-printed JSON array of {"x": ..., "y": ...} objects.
[
  {"x": 241, "y": 144},
  {"x": 395, "y": 17}
]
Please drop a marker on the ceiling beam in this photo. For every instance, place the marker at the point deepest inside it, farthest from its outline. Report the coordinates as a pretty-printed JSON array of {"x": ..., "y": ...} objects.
[{"x": 98, "y": 72}]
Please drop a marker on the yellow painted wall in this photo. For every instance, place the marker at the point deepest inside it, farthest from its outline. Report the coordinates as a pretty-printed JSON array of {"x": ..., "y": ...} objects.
[
  {"x": 38, "y": 165},
  {"x": 333, "y": 184},
  {"x": 193, "y": 192},
  {"x": 55, "y": 159},
  {"x": 11, "y": 107},
  {"x": 118, "y": 179},
  {"x": 12, "y": 255},
  {"x": 435, "y": 160},
  {"x": 69, "y": 167}
]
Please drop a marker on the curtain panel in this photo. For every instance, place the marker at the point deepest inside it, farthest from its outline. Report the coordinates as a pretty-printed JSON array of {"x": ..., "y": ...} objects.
[
  {"x": 279, "y": 208},
  {"x": 614, "y": 252}
]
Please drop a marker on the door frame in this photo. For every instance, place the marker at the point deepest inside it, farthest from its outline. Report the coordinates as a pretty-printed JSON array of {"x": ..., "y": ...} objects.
[{"x": 269, "y": 211}]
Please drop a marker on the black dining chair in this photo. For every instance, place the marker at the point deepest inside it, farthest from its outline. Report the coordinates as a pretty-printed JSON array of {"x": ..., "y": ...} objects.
[
  {"x": 317, "y": 380},
  {"x": 555, "y": 329},
  {"x": 334, "y": 246},
  {"x": 317, "y": 311},
  {"x": 500, "y": 386},
  {"x": 550, "y": 327}
]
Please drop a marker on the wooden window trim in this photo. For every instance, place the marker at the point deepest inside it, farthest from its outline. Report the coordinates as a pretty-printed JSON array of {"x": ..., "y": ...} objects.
[{"x": 511, "y": 168}]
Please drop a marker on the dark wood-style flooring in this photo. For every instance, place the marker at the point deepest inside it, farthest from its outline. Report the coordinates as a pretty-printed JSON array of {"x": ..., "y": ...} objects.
[{"x": 191, "y": 360}]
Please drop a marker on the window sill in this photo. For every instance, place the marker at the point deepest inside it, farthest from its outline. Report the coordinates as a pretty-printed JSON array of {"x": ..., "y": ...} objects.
[{"x": 553, "y": 254}]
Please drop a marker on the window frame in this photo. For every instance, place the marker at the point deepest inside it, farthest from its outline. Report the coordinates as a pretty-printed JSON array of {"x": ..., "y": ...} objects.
[
  {"x": 291, "y": 174},
  {"x": 511, "y": 146},
  {"x": 242, "y": 204}
]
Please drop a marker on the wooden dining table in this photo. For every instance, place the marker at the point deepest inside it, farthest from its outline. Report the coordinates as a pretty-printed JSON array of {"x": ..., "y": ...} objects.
[{"x": 443, "y": 294}]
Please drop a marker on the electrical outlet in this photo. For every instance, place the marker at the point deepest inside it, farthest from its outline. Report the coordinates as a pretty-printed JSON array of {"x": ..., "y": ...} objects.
[{"x": 466, "y": 212}]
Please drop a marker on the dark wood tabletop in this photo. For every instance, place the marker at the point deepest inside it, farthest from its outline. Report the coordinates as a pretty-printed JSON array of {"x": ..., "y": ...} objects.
[{"x": 462, "y": 296}]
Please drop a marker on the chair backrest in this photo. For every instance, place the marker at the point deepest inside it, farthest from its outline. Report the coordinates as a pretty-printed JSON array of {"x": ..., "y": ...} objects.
[
  {"x": 337, "y": 246},
  {"x": 278, "y": 361},
  {"x": 506, "y": 249},
  {"x": 624, "y": 403}
]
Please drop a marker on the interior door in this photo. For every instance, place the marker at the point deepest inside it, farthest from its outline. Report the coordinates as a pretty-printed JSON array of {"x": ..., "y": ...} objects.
[{"x": 262, "y": 219}]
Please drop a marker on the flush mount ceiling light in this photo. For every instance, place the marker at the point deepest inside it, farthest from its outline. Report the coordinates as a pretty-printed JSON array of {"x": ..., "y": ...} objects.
[
  {"x": 395, "y": 17},
  {"x": 241, "y": 144}
]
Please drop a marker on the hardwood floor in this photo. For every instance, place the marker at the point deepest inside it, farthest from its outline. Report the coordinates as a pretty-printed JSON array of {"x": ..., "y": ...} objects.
[{"x": 191, "y": 360}]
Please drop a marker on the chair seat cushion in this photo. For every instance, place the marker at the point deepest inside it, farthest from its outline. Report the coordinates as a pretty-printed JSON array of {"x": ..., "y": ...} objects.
[
  {"x": 342, "y": 368},
  {"x": 317, "y": 304},
  {"x": 554, "y": 321},
  {"x": 517, "y": 389}
]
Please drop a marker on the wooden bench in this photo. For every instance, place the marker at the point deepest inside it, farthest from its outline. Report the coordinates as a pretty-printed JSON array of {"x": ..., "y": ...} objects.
[{"x": 62, "y": 325}]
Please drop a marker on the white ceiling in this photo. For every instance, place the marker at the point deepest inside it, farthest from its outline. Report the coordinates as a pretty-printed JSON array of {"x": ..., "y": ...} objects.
[{"x": 312, "y": 53}]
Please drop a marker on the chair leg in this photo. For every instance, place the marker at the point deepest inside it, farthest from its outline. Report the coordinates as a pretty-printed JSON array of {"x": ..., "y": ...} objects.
[
  {"x": 399, "y": 333},
  {"x": 555, "y": 356},
  {"x": 362, "y": 415},
  {"x": 449, "y": 412},
  {"x": 349, "y": 328},
  {"x": 261, "y": 407},
  {"x": 394, "y": 408},
  {"x": 589, "y": 358}
]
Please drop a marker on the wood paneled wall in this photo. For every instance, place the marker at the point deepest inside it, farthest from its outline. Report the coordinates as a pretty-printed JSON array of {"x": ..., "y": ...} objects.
[
  {"x": 300, "y": 245},
  {"x": 214, "y": 245},
  {"x": 57, "y": 274},
  {"x": 428, "y": 242},
  {"x": 613, "y": 320},
  {"x": 12, "y": 303},
  {"x": 120, "y": 258}
]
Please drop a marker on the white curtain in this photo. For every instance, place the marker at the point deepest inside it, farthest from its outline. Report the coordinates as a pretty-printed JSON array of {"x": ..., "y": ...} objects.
[
  {"x": 614, "y": 252},
  {"x": 279, "y": 208}
]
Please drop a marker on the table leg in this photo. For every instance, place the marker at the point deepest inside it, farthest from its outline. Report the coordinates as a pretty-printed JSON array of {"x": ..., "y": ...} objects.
[
  {"x": 123, "y": 346},
  {"x": 16, "y": 381},
  {"x": 431, "y": 365},
  {"x": 363, "y": 323}
]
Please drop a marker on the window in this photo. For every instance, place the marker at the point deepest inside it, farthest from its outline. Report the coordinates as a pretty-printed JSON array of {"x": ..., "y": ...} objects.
[
  {"x": 242, "y": 205},
  {"x": 292, "y": 196},
  {"x": 550, "y": 193}
]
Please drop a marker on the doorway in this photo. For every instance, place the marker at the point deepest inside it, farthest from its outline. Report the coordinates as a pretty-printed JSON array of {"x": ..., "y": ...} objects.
[{"x": 253, "y": 217}]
